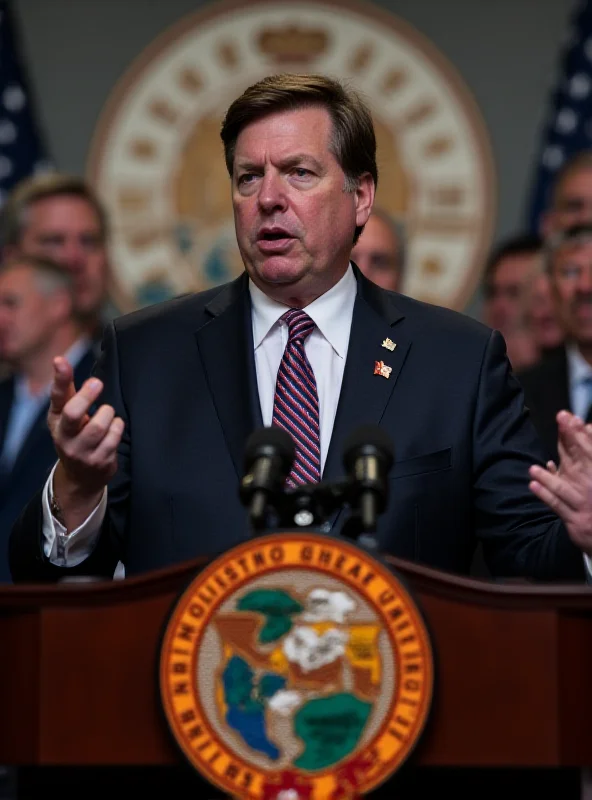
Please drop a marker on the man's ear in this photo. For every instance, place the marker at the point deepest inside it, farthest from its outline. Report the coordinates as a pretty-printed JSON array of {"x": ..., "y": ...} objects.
[{"x": 365, "y": 192}]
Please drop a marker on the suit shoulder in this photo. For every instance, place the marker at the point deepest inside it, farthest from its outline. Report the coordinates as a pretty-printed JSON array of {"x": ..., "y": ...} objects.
[
  {"x": 180, "y": 313},
  {"x": 438, "y": 320}
]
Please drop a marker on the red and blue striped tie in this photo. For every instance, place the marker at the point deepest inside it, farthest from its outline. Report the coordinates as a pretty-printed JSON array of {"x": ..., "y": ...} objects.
[{"x": 296, "y": 403}]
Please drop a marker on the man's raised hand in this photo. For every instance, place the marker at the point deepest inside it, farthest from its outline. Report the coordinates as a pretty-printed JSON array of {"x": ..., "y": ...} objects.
[{"x": 86, "y": 444}]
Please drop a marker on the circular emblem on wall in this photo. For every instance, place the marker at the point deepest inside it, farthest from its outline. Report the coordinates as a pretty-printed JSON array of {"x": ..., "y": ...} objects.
[
  {"x": 296, "y": 666},
  {"x": 157, "y": 162}
]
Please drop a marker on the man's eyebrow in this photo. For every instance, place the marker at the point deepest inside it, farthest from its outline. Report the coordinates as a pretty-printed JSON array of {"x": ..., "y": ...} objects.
[
  {"x": 300, "y": 158},
  {"x": 294, "y": 160}
]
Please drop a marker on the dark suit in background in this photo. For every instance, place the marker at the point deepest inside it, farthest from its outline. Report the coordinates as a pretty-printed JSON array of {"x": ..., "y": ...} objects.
[
  {"x": 34, "y": 461},
  {"x": 546, "y": 392}
]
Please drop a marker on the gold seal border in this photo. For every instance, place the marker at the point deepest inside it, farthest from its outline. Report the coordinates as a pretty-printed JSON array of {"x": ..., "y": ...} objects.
[{"x": 409, "y": 639}]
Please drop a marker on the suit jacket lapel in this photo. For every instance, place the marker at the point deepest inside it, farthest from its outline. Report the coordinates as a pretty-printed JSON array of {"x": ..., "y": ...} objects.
[
  {"x": 364, "y": 394},
  {"x": 225, "y": 345}
]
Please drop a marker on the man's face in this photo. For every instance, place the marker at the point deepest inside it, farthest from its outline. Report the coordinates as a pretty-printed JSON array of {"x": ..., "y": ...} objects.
[
  {"x": 573, "y": 202},
  {"x": 66, "y": 229},
  {"x": 294, "y": 221},
  {"x": 377, "y": 254},
  {"x": 571, "y": 278},
  {"x": 542, "y": 314},
  {"x": 28, "y": 316},
  {"x": 503, "y": 307}
]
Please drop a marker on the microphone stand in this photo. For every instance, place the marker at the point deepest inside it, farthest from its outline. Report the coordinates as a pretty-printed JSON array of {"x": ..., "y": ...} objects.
[{"x": 310, "y": 506}]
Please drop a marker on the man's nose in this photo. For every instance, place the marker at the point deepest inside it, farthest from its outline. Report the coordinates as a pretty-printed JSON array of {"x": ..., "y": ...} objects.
[
  {"x": 73, "y": 256},
  {"x": 272, "y": 194}
]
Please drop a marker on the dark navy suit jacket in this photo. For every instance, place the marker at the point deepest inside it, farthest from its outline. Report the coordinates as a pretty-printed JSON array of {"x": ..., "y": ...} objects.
[{"x": 182, "y": 376}]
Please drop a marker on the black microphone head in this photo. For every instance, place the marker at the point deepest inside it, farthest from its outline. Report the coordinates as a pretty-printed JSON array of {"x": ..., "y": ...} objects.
[
  {"x": 368, "y": 440},
  {"x": 272, "y": 442}
]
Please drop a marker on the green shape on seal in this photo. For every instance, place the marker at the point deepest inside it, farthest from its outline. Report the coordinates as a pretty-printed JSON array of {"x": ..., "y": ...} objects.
[
  {"x": 277, "y": 607},
  {"x": 330, "y": 728}
]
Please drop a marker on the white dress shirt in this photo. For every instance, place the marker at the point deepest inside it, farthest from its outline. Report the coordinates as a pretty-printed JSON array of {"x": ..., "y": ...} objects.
[{"x": 326, "y": 349}]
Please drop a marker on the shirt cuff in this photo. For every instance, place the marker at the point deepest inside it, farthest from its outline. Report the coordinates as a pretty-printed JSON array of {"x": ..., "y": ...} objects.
[{"x": 69, "y": 549}]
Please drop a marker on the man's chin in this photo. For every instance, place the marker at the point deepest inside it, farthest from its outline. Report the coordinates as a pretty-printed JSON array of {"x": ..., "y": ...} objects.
[{"x": 278, "y": 274}]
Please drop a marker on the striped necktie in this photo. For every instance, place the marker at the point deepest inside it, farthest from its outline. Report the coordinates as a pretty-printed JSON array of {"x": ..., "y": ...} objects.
[{"x": 296, "y": 402}]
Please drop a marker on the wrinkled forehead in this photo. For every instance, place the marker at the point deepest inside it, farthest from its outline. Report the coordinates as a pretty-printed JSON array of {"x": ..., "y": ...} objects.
[{"x": 63, "y": 211}]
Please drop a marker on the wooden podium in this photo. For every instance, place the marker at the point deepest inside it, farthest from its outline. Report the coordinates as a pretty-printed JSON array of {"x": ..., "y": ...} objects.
[{"x": 78, "y": 671}]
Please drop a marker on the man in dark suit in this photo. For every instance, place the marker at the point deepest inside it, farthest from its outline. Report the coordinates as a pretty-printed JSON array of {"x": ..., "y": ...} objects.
[
  {"x": 183, "y": 384},
  {"x": 563, "y": 379},
  {"x": 193, "y": 377},
  {"x": 37, "y": 323}
]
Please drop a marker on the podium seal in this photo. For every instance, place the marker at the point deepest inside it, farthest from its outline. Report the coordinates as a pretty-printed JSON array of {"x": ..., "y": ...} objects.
[{"x": 296, "y": 666}]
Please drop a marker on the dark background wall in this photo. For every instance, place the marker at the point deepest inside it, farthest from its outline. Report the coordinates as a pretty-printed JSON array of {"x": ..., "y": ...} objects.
[{"x": 507, "y": 52}]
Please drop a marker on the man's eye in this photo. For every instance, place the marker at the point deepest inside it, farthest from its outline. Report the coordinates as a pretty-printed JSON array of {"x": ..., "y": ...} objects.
[
  {"x": 245, "y": 178},
  {"x": 301, "y": 172},
  {"x": 570, "y": 272}
]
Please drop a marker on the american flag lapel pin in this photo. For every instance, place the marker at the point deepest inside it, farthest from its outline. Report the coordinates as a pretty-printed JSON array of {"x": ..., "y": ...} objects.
[{"x": 380, "y": 368}]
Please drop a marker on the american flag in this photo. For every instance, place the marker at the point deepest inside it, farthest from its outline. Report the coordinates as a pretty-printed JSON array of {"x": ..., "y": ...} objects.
[
  {"x": 568, "y": 128},
  {"x": 21, "y": 148}
]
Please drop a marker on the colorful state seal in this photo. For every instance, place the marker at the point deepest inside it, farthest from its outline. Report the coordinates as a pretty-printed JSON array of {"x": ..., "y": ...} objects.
[{"x": 296, "y": 666}]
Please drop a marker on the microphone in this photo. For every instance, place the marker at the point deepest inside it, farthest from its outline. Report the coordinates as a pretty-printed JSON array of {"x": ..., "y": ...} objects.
[
  {"x": 367, "y": 457},
  {"x": 269, "y": 455}
]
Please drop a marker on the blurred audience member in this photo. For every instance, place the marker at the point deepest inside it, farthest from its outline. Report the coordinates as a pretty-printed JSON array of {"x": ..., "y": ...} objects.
[
  {"x": 564, "y": 379},
  {"x": 571, "y": 198},
  {"x": 507, "y": 274},
  {"x": 380, "y": 251},
  {"x": 37, "y": 323},
  {"x": 541, "y": 314},
  {"x": 59, "y": 217}
]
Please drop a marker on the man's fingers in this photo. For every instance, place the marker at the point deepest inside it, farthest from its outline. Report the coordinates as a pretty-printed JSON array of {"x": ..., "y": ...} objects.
[
  {"x": 574, "y": 436},
  {"x": 96, "y": 428},
  {"x": 549, "y": 498},
  {"x": 554, "y": 485},
  {"x": 73, "y": 413},
  {"x": 62, "y": 387},
  {"x": 110, "y": 442}
]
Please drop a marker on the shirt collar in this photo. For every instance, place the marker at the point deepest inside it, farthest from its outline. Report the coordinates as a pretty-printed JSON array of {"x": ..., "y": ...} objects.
[
  {"x": 327, "y": 312},
  {"x": 579, "y": 370}
]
